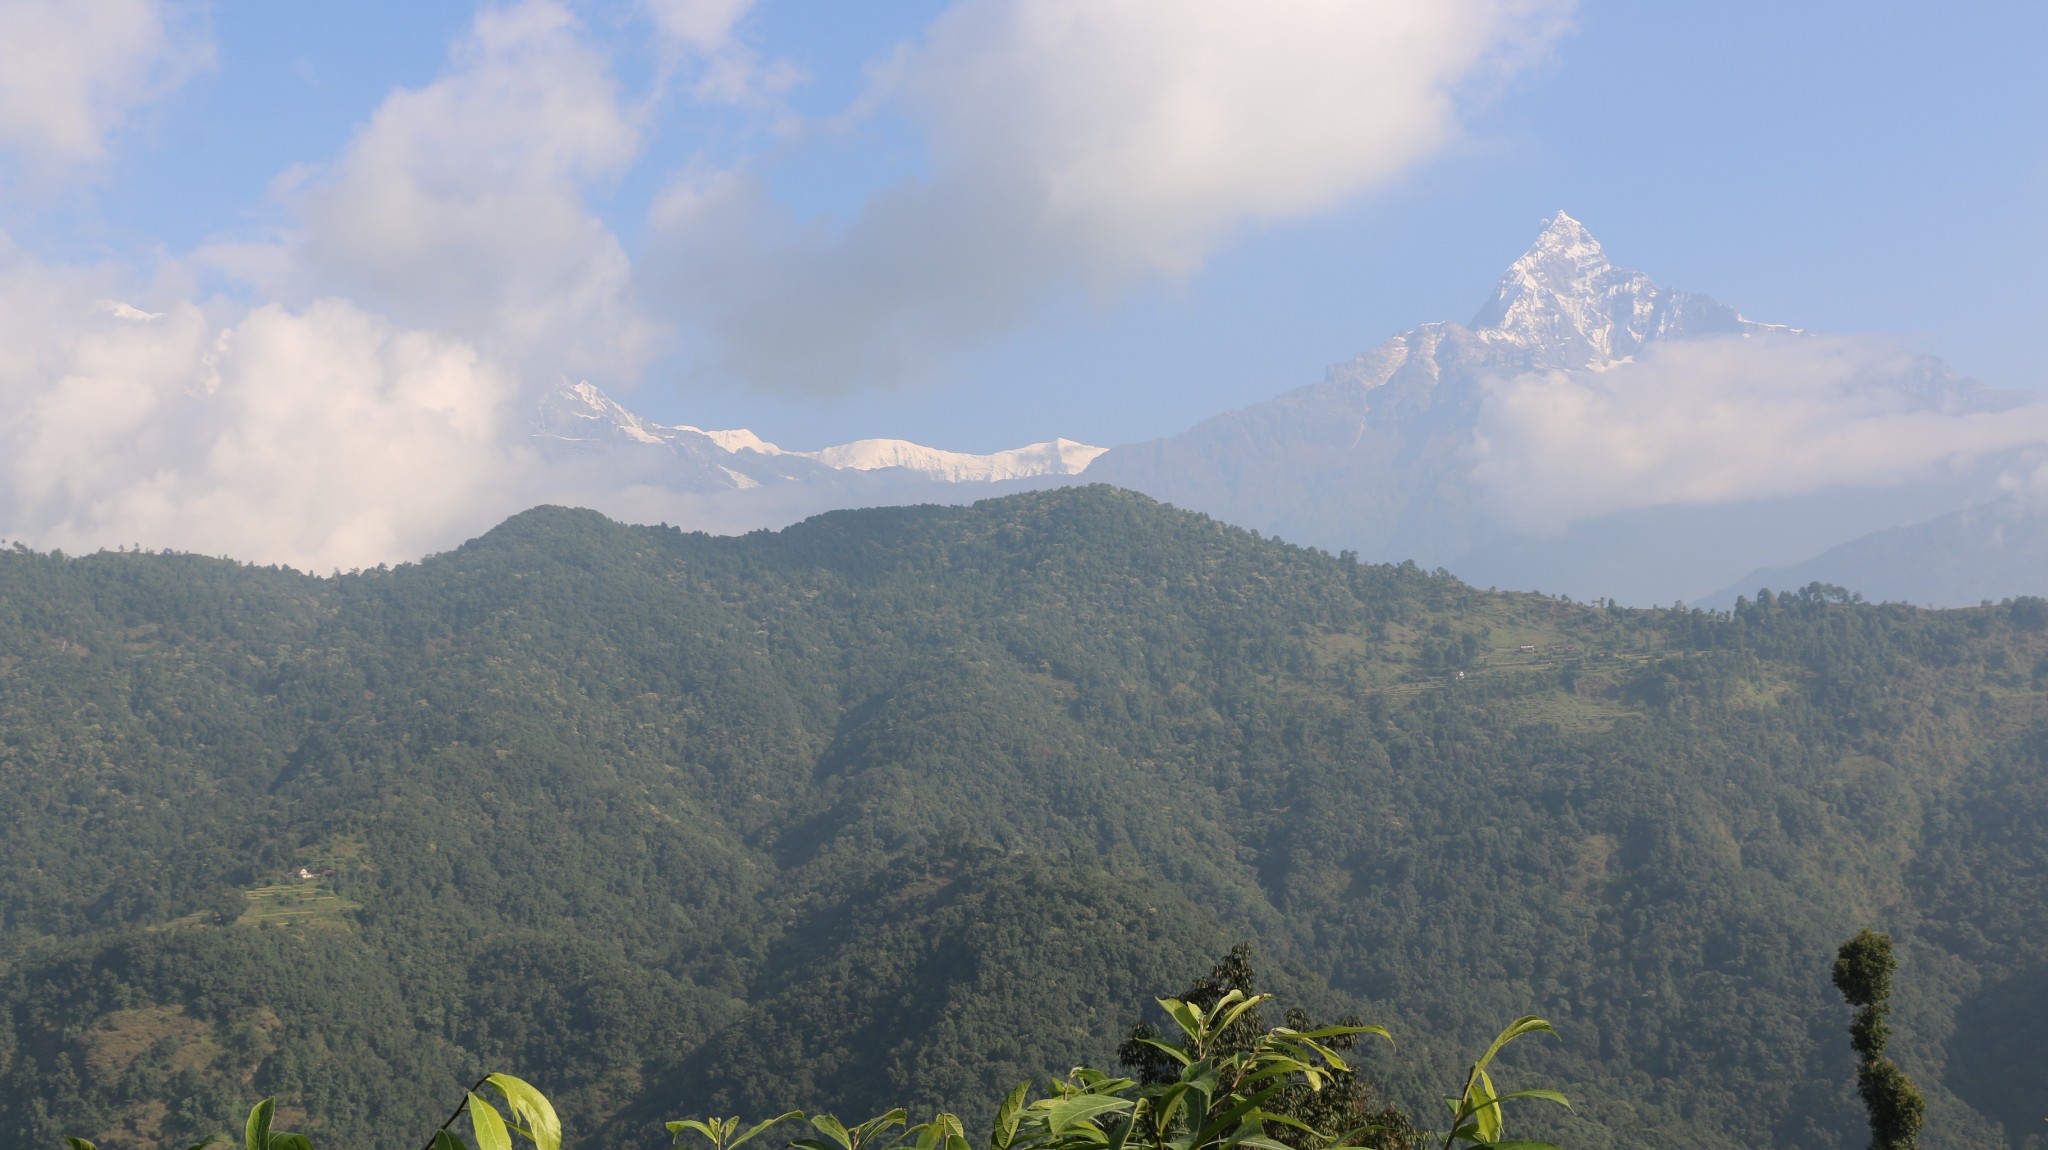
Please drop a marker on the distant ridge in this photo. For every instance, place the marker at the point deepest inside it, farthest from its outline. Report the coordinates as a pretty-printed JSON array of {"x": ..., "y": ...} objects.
[
  {"x": 1993, "y": 551},
  {"x": 580, "y": 419},
  {"x": 1396, "y": 453},
  {"x": 1379, "y": 457}
]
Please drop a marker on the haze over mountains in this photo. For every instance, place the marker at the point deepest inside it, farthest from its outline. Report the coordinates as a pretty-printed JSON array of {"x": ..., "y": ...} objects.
[
  {"x": 1588, "y": 432},
  {"x": 901, "y": 806},
  {"x": 1593, "y": 433}
]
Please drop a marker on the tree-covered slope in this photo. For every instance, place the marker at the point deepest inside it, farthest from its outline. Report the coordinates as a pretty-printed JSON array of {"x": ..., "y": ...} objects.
[{"x": 907, "y": 804}]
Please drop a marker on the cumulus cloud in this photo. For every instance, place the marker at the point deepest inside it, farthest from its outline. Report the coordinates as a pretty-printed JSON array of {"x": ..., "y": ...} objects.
[
  {"x": 319, "y": 437},
  {"x": 371, "y": 403},
  {"x": 702, "y": 26},
  {"x": 463, "y": 205},
  {"x": 1080, "y": 143},
  {"x": 1725, "y": 420},
  {"x": 699, "y": 40},
  {"x": 366, "y": 399},
  {"x": 71, "y": 71}
]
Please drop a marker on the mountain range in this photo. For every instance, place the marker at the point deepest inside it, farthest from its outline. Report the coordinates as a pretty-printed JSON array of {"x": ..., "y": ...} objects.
[
  {"x": 901, "y": 806},
  {"x": 1588, "y": 432}
]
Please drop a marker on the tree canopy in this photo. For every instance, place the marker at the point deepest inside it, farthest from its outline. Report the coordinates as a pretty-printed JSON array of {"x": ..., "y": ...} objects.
[{"x": 905, "y": 805}]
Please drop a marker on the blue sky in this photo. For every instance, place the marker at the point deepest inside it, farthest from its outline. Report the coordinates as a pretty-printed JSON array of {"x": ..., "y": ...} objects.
[{"x": 792, "y": 215}]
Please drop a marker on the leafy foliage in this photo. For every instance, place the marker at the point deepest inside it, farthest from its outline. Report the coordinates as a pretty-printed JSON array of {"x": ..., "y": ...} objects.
[
  {"x": 1863, "y": 973},
  {"x": 1230, "y": 1087},
  {"x": 1313, "y": 1113},
  {"x": 533, "y": 1118},
  {"x": 1476, "y": 1112}
]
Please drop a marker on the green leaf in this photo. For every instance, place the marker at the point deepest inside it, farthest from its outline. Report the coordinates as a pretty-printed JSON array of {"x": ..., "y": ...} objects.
[
  {"x": 760, "y": 1126},
  {"x": 290, "y": 1142},
  {"x": 1202, "y": 1076},
  {"x": 1174, "y": 1052},
  {"x": 256, "y": 1131},
  {"x": 1218, "y": 1026},
  {"x": 1066, "y": 1113},
  {"x": 866, "y": 1132},
  {"x": 211, "y": 1140},
  {"x": 78, "y": 1143},
  {"x": 1523, "y": 1144},
  {"x": 1167, "y": 1104},
  {"x": 676, "y": 1129},
  {"x": 1005, "y": 1130},
  {"x": 1235, "y": 1115},
  {"x": 1282, "y": 1119},
  {"x": 1485, "y": 1109},
  {"x": 489, "y": 1125},
  {"x": 531, "y": 1110},
  {"x": 1546, "y": 1095},
  {"x": 1334, "y": 1031},
  {"x": 832, "y": 1128},
  {"x": 1527, "y": 1024},
  {"x": 1188, "y": 1016},
  {"x": 446, "y": 1141}
]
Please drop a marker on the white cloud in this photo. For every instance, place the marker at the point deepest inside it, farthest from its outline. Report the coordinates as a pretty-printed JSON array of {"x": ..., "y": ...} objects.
[
  {"x": 370, "y": 405},
  {"x": 1082, "y": 142},
  {"x": 322, "y": 437},
  {"x": 1147, "y": 131},
  {"x": 71, "y": 71},
  {"x": 1725, "y": 420},
  {"x": 461, "y": 206},
  {"x": 699, "y": 39},
  {"x": 703, "y": 26},
  {"x": 373, "y": 409}
]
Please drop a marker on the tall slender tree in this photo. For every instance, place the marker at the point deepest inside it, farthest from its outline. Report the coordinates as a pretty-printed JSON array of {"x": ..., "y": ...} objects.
[{"x": 1863, "y": 973}]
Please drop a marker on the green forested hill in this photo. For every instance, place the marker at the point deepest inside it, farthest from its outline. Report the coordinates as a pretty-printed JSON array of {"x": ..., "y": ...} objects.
[{"x": 905, "y": 805}]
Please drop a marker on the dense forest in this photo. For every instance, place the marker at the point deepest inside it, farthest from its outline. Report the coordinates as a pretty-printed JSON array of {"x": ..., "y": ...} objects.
[{"x": 906, "y": 805}]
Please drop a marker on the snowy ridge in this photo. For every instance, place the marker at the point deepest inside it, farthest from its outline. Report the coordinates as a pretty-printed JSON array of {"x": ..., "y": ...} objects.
[
  {"x": 580, "y": 417},
  {"x": 1059, "y": 457},
  {"x": 1563, "y": 299},
  {"x": 1509, "y": 449},
  {"x": 1561, "y": 306}
]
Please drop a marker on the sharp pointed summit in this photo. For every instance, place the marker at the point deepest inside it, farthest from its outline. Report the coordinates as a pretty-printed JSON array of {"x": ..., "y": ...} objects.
[
  {"x": 1381, "y": 456},
  {"x": 1564, "y": 256},
  {"x": 1567, "y": 303}
]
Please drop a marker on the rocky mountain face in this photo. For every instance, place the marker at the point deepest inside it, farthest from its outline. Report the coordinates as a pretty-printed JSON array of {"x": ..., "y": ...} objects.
[
  {"x": 1563, "y": 305},
  {"x": 1380, "y": 456}
]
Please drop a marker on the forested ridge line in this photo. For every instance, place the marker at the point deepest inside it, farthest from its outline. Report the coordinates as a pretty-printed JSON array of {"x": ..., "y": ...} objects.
[{"x": 911, "y": 803}]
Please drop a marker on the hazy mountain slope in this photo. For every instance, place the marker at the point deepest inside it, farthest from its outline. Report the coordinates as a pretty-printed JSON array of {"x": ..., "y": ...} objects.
[
  {"x": 900, "y": 805},
  {"x": 1372, "y": 458},
  {"x": 1588, "y": 432},
  {"x": 1989, "y": 552},
  {"x": 1383, "y": 457}
]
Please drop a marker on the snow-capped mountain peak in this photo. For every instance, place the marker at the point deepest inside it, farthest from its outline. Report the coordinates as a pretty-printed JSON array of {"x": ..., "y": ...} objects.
[
  {"x": 1566, "y": 303},
  {"x": 579, "y": 418},
  {"x": 1565, "y": 260},
  {"x": 1057, "y": 457},
  {"x": 578, "y": 412}
]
